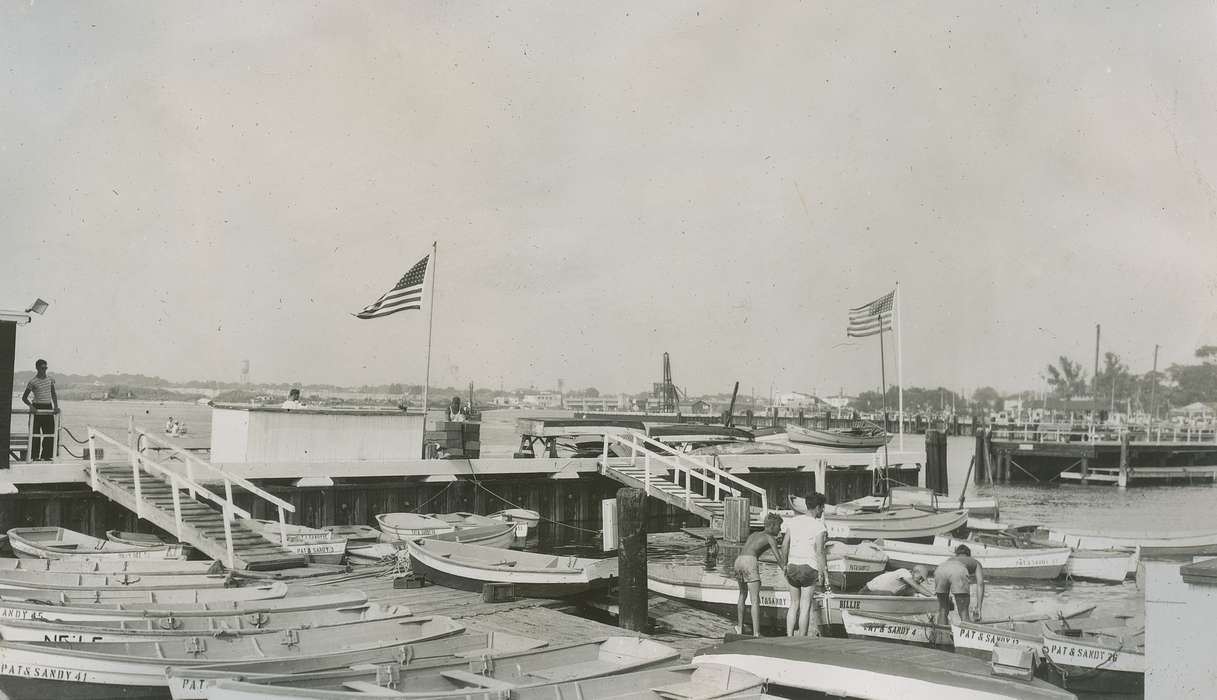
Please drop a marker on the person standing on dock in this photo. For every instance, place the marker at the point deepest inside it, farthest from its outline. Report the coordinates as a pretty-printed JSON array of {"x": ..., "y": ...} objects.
[
  {"x": 44, "y": 407},
  {"x": 803, "y": 545},
  {"x": 748, "y": 571},
  {"x": 900, "y": 582},
  {"x": 953, "y": 578}
]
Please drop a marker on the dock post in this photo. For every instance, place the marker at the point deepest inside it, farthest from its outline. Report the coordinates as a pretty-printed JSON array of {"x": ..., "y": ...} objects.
[
  {"x": 978, "y": 453},
  {"x": 1085, "y": 469},
  {"x": 936, "y": 461},
  {"x": 632, "y": 559},
  {"x": 8, "y": 356},
  {"x": 1123, "y": 478},
  {"x": 737, "y": 519}
]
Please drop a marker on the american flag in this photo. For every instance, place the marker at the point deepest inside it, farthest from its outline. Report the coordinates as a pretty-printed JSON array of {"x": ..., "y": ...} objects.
[
  {"x": 870, "y": 319},
  {"x": 406, "y": 294}
]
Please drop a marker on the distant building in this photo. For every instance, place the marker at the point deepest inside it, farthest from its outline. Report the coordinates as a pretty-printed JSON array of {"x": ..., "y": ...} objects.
[
  {"x": 595, "y": 404},
  {"x": 796, "y": 400},
  {"x": 839, "y": 402},
  {"x": 545, "y": 399}
]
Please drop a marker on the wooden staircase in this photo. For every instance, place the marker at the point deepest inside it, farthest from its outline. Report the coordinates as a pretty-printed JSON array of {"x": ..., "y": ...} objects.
[
  {"x": 663, "y": 463},
  {"x": 153, "y": 498}
]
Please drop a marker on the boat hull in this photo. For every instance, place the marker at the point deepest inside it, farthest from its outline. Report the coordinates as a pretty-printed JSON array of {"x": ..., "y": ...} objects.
[
  {"x": 833, "y": 441},
  {"x": 1078, "y": 666},
  {"x": 907, "y": 629},
  {"x": 1025, "y": 564},
  {"x": 907, "y": 524},
  {"x": 536, "y": 588},
  {"x": 977, "y": 640},
  {"x": 1150, "y": 546},
  {"x": 500, "y": 536},
  {"x": 58, "y": 543}
]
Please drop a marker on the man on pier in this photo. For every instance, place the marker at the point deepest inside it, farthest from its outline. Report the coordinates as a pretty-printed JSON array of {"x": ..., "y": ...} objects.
[
  {"x": 952, "y": 579},
  {"x": 44, "y": 407}
]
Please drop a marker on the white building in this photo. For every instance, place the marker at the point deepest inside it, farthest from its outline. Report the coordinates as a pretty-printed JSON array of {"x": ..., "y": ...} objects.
[
  {"x": 545, "y": 399},
  {"x": 796, "y": 400},
  {"x": 595, "y": 404}
]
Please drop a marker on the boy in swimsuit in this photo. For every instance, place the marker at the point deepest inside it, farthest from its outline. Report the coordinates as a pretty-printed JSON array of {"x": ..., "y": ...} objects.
[
  {"x": 748, "y": 572},
  {"x": 953, "y": 579}
]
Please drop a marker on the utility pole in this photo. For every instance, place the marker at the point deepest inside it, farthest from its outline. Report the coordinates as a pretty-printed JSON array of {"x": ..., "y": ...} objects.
[
  {"x": 1153, "y": 391},
  {"x": 1094, "y": 393}
]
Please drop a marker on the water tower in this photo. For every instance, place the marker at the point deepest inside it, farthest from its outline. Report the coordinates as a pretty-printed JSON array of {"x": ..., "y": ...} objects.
[{"x": 244, "y": 371}]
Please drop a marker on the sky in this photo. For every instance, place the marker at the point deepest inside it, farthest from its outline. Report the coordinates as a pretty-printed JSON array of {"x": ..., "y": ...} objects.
[{"x": 191, "y": 185}]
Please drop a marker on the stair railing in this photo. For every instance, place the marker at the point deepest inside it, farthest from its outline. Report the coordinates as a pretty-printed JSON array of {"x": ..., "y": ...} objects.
[
  {"x": 192, "y": 461},
  {"x": 682, "y": 464},
  {"x": 177, "y": 482}
]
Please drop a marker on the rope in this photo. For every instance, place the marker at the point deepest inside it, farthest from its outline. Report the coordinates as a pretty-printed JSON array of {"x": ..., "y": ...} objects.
[
  {"x": 441, "y": 492},
  {"x": 69, "y": 432},
  {"x": 540, "y": 517}
]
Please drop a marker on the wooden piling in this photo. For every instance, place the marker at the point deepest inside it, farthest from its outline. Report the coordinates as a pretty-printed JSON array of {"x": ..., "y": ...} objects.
[
  {"x": 978, "y": 453},
  {"x": 8, "y": 355},
  {"x": 632, "y": 559},
  {"x": 936, "y": 461},
  {"x": 1122, "y": 482}
]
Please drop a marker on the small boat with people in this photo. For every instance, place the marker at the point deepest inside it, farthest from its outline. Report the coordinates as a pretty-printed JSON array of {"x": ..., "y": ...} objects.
[
  {"x": 137, "y": 669},
  {"x": 862, "y": 438},
  {"x": 924, "y": 630},
  {"x": 505, "y": 675},
  {"x": 1100, "y": 656},
  {"x": 1030, "y": 564},
  {"x": 468, "y": 566},
  {"x": 875, "y": 670},
  {"x": 267, "y": 609},
  {"x": 700, "y": 682},
  {"x": 61, "y": 543}
]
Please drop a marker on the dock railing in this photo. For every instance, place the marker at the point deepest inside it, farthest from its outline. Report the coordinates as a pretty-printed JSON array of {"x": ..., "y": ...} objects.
[
  {"x": 191, "y": 462},
  {"x": 177, "y": 482},
  {"x": 691, "y": 467},
  {"x": 1035, "y": 432}
]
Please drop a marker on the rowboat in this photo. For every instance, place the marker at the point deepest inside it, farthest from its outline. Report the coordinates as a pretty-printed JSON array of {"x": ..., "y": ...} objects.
[
  {"x": 858, "y": 668},
  {"x": 353, "y": 533},
  {"x": 920, "y": 630},
  {"x": 463, "y": 520},
  {"x": 142, "y": 539},
  {"x": 1036, "y": 564},
  {"x": 122, "y": 631},
  {"x": 142, "y": 567},
  {"x": 923, "y": 630},
  {"x": 702, "y": 682},
  {"x": 373, "y": 552},
  {"x": 145, "y": 597},
  {"x": 68, "y": 670},
  {"x": 1099, "y": 657},
  {"x": 510, "y": 672},
  {"x": 977, "y": 639},
  {"x": 60, "y": 543},
  {"x": 1151, "y": 544},
  {"x": 720, "y": 594},
  {"x": 318, "y": 545},
  {"x": 839, "y": 439},
  {"x": 499, "y": 535},
  {"x": 893, "y": 524},
  {"x": 399, "y": 527},
  {"x": 976, "y": 506},
  {"x": 468, "y": 566},
  {"x": 1108, "y": 565},
  {"x": 192, "y": 682},
  {"x": 57, "y": 580},
  {"x": 850, "y": 566},
  {"x": 11, "y": 609},
  {"x": 523, "y": 518}
]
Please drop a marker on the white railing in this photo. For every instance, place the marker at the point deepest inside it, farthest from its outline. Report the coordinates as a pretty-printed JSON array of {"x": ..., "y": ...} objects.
[
  {"x": 691, "y": 467},
  {"x": 208, "y": 468},
  {"x": 1157, "y": 434},
  {"x": 177, "y": 482}
]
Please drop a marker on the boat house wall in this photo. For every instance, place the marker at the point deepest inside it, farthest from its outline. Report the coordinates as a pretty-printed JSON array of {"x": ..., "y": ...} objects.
[
  {"x": 242, "y": 435},
  {"x": 1178, "y": 633}
]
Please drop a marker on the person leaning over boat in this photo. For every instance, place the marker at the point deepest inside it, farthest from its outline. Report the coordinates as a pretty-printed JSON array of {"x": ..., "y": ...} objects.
[
  {"x": 748, "y": 570},
  {"x": 900, "y": 582},
  {"x": 803, "y": 546},
  {"x": 44, "y": 407},
  {"x": 953, "y": 578}
]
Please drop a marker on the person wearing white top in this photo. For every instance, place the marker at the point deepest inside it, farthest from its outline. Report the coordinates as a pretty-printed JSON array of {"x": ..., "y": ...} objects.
[
  {"x": 900, "y": 582},
  {"x": 803, "y": 549}
]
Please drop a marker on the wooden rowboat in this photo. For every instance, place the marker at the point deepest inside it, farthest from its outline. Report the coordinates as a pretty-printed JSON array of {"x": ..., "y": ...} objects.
[
  {"x": 911, "y": 524},
  {"x": 858, "y": 668},
  {"x": 144, "y": 597},
  {"x": 353, "y": 533},
  {"x": 839, "y": 439},
  {"x": 510, "y": 672},
  {"x": 25, "y": 610},
  {"x": 318, "y": 545},
  {"x": 1110, "y": 566},
  {"x": 399, "y": 527},
  {"x": 468, "y": 566},
  {"x": 1101, "y": 656},
  {"x": 500, "y": 535},
  {"x": 61, "y": 543},
  {"x": 123, "y": 631},
  {"x": 191, "y": 683},
  {"x": 523, "y": 518},
  {"x": 923, "y": 630},
  {"x": 701, "y": 682},
  {"x": 143, "y": 539},
  {"x": 1151, "y": 544},
  {"x": 461, "y": 520},
  {"x": 1031, "y": 564},
  {"x": 125, "y": 581},
  {"x": 373, "y": 552},
  {"x": 116, "y": 567},
  {"x": 65, "y": 671},
  {"x": 720, "y": 594}
]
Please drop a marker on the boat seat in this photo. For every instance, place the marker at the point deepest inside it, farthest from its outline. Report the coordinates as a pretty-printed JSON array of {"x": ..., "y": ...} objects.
[
  {"x": 567, "y": 672},
  {"x": 370, "y": 689},
  {"x": 476, "y": 680}
]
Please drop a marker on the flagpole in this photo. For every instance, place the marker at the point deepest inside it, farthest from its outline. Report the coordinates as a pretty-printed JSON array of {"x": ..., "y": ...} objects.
[
  {"x": 430, "y": 318},
  {"x": 883, "y": 385},
  {"x": 900, "y": 364}
]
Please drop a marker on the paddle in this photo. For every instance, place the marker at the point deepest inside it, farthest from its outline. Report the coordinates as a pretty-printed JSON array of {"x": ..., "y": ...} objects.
[{"x": 966, "y": 479}]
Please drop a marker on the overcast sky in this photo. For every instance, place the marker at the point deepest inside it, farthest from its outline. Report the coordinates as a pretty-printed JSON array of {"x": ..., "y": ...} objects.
[{"x": 195, "y": 184}]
